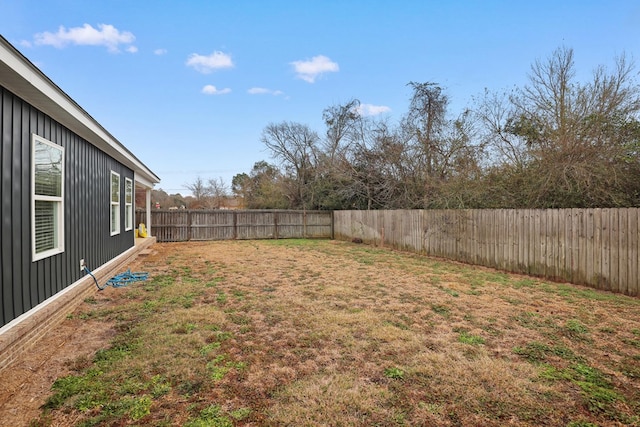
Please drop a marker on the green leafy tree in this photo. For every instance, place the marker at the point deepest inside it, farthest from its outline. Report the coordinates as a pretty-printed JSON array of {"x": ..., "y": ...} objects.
[{"x": 262, "y": 188}]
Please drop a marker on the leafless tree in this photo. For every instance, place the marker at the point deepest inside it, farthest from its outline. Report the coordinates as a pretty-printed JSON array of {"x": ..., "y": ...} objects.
[
  {"x": 295, "y": 146},
  {"x": 199, "y": 190},
  {"x": 426, "y": 119},
  {"x": 568, "y": 143},
  {"x": 344, "y": 128},
  {"x": 218, "y": 192}
]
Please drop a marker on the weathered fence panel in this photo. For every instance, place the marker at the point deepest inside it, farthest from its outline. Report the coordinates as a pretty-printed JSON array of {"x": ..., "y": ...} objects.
[
  {"x": 185, "y": 225},
  {"x": 595, "y": 247}
]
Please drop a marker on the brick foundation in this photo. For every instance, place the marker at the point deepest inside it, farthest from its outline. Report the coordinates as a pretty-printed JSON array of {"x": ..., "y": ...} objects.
[{"x": 23, "y": 332}]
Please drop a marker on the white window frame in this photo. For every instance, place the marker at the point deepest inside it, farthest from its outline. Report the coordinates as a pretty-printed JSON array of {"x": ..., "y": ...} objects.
[
  {"x": 58, "y": 203},
  {"x": 114, "y": 222},
  {"x": 128, "y": 204}
]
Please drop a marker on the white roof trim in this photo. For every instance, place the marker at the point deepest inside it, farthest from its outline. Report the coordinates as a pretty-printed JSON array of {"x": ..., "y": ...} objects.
[{"x": 24, "y": 79}]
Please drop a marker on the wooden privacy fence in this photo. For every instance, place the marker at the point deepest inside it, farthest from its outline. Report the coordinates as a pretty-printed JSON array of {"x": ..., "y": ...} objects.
[
  {"x": 593, "y": 247},
  {"x": 184, "y": 225}
]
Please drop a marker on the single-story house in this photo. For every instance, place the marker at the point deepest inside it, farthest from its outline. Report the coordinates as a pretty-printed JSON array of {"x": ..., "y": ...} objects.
[{"x": 67, "y": 191}]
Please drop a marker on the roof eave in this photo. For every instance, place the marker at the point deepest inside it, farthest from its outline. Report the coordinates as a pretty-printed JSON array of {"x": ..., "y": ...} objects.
[{"x": 25, "y": 80}]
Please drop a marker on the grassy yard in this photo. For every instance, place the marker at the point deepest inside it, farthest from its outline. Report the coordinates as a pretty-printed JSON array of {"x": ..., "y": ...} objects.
[{"x": 312, "y": 333}]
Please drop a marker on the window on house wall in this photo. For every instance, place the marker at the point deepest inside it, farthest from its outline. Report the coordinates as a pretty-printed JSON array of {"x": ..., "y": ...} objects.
[
  {"x": 115, "y": 203},
  {"x": 47, "y": 191},
  {"x": 128, "y": 204}
]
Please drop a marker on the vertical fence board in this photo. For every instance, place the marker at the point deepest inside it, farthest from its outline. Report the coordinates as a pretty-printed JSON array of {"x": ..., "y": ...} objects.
[
  {"x": 501, "y": 227},
  {"x": 512, "y": 240},
  {"x": 605, "y": 283},
  {"x": 560, "y": 243},
  {"x": 568, "y": 248},
  {"x": 558, "y": 229},
  {"x": 614, "y": 239},
  {"x": 449, "y": 231},
  {"x": 473, "y": 220},
  {"x": 483, "y": 250},
  {"x": 584, "y": 223},
  {"x": 440, "y": 240},
  {"x": 547, "y": 220},
  {"x": 530, "y": 230},
  {"x": 551, "y": 259},
  {"x": 593, "y": 258},
  {"x": 427, "y": 231},
  {"x": 635, "y": 261},
  {"x": 540, "y": 236},
  {"x": 469, "y": 238},
  {"x": 623, "y": 250},
  {"x": 634, "y": 256},
  {"x": 515, "y": 240},
  {"x": 576, "y": 219},
  {"x": 460, "y": 237},
  {"x": 549, "y": 244},
  {"x": 522, "y": 247},
  {"x": 490, "y": 238},
  {"x": 423, "y": 232},
  {"x": 493, "y": 239},
  {"x": 437, "y": 241},
  {"x": 416, "y": 230}
]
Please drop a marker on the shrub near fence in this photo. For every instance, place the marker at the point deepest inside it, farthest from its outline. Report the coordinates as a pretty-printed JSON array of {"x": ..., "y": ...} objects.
[
  {"x": 184, "y": 225},
  {"x": 593, "y": 247}
]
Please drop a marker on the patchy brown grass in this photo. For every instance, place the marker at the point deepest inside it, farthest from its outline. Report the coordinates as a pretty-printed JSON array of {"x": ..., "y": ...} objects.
[{"x": 293, "y": 332}]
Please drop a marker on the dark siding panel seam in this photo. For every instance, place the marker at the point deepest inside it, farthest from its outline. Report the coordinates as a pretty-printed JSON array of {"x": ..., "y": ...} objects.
[
  {"x": 35, "y": 267},
  {"x": 23, "y": 134},
  {"x": 5, "y": 203},
  {"x": 18, "y": 222}
]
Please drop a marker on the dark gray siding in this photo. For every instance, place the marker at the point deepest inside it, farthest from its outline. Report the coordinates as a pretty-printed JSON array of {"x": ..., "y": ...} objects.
[{"x": 23, "y": 283}]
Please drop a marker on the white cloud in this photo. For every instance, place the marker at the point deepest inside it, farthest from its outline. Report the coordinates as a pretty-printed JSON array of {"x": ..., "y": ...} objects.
[
  {"x": 160, "y": 52},
  {"x": 207, "y": 64},
  {"x": 105, "y": 35},
  {"x": 310, "y": 70},
  {"x": 264, "y": 91},
  {"x": 212, "y": 90},
  {"x": 372, "y": 110}
]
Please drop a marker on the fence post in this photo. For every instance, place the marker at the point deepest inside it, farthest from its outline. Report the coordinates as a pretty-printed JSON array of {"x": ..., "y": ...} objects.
[
  {"x": 235, "y": 225},
  {"x": 189, "y": 225},
  {"x": 333, "y": 225}
]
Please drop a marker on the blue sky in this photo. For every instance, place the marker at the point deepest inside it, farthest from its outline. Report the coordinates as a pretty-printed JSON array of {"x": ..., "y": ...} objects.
[{"x": 189, "y": 86}]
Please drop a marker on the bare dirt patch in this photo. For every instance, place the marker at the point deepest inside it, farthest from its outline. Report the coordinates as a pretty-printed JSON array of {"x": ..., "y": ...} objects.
[
  {"x": 27, "y": 382},
  {"x": 331, "y": 333}
]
